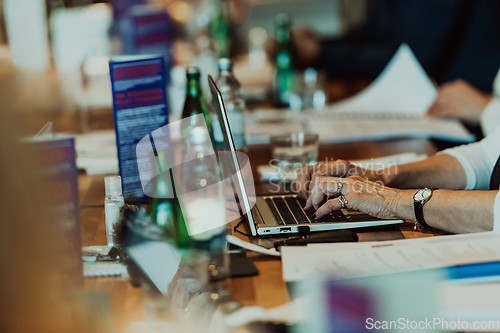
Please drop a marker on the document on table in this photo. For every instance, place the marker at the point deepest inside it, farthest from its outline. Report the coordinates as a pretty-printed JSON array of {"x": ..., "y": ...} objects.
[
  {"x": 351, "y": 260},
  {"x": 356, "y": 126}
]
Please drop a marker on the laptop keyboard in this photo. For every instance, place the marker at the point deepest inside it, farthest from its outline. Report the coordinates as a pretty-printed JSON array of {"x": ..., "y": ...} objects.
[{"x": 288, "y": 210}]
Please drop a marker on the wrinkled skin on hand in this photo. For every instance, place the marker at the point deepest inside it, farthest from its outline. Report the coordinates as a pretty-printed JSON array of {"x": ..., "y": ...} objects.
[
  {"x": 372, "y": 198},
  {"x": 307, "y": 176}
]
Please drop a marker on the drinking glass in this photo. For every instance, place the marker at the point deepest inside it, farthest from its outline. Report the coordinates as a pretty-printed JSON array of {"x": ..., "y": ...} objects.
[{"x": 293, "y": 151}]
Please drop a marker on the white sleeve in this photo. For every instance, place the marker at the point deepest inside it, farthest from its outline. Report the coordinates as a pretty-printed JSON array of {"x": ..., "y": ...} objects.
[
  {"x": 490, "y": 118},
  {"x": 496, "y": 213},
  {"x": 478, "y": 160}
]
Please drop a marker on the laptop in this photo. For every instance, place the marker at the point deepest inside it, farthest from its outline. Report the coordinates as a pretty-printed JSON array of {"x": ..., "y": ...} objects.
[{"x": 274, "y": 215}]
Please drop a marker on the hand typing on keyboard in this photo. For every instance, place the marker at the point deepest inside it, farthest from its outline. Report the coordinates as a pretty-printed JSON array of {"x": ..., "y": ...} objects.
[
  {"x": 369, "y": 197},
  {"x": 307, "y": 176}
]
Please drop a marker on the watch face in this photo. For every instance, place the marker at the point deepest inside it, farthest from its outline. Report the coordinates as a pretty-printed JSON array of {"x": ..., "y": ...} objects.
[{"x": 423, "y": 194}]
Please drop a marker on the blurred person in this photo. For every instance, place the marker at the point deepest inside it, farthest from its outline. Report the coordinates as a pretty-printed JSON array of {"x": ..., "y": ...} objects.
[
  {"x": 453, "y": 39},
  {"x": 459, "y": 99},
  {"x": 467, "y": 179}
]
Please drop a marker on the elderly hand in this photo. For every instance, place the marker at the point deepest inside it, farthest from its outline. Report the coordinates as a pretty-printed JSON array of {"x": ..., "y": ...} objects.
[
  {"x": 369, "y": 197},
  {"x": 460, "y": 100},
  {"x": 339, "y": 168}
]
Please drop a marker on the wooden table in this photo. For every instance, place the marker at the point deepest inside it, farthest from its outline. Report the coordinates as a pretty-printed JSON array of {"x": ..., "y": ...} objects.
[{"x": 267, "y": 289}]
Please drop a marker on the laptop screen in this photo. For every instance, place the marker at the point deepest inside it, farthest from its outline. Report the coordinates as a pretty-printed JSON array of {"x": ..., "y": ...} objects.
[{"x": 237, "y": 159}]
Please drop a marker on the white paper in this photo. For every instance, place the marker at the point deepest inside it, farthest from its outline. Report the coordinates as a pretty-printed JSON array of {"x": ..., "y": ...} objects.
[
  {"x": 270, "y": 172},
  {"x": 341, "y": 127},
  {"x": 402, "y": 87},
  {"x": 252, "y": 247},
  {"x": 387, "y": 161},
  {"x": 96, "y": 152},
  {"x": 350, "y": 260}
]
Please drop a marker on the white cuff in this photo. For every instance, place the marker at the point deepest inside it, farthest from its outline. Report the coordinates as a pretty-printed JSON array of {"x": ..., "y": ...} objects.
[
  {"x": 490, "y": 118},
  {"x": 496, "y": 213}
]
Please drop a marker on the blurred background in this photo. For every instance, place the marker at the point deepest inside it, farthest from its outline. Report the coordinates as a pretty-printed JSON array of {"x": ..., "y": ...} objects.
[
  {"x": 54, "y": 54},
  {"x": 54, "y": 66}
]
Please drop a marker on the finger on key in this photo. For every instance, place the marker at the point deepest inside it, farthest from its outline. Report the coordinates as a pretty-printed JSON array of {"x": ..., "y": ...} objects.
[{"x": 327, "y": 207}]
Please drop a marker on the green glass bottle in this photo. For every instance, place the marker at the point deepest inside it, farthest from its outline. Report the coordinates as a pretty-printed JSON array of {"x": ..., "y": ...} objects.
[
  {"x": 194, "y": 104},
  {"x": 219, "y": 28},
  {"x": 286, "y": 76},
  {"x": 165, "y": 208}
]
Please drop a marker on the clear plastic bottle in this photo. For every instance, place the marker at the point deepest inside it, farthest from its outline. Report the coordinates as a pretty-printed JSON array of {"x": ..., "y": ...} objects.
[
  {"x": 233, "y": 101},
  {"x": 113, "y": 202},
  {"x": 313, "y": 93},
  {"x": 204, "y": 206}
]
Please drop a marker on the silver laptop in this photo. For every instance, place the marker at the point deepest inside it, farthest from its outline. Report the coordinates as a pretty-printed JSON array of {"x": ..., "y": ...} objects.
[{"x": 283, "y": 214}]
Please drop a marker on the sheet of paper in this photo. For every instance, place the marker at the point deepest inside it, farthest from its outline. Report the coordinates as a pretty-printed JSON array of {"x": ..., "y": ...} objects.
[
  {"x": 350, "y": 260},
  {"x": 96, "y": 152},
  {"x": 270, "y": 172},
  {"x": 252, "y": 247},
  {"x": 470, "y": 302},
  {"x": 335, "y": 127},
  {"x": 402, "y": 87}
]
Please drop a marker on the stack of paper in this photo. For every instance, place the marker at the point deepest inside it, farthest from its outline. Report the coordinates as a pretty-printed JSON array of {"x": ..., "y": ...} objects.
[
  {"x": 351, "y": 260},
  {"x": 336, "y": 127}
]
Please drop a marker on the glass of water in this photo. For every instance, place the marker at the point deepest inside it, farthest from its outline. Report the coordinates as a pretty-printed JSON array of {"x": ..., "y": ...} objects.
[{"x": 293, "y": 151}]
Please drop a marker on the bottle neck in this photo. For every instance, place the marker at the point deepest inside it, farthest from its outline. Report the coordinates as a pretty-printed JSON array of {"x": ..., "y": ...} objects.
[
  {"x": 226, "y": 72},
  {"x": 283, "y": 34},
  {"x": 194, "y": 87},
  {"x": 163, "y": 189}
]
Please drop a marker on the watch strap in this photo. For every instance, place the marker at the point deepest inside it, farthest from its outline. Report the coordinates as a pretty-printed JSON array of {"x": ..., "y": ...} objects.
[{"x": 420, "y": 223}]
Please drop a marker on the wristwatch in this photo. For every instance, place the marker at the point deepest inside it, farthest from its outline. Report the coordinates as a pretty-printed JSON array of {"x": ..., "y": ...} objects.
[{"x": 419, "y": 200}]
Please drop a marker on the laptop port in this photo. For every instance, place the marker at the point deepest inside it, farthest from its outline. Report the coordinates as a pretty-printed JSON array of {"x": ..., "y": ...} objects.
[
  {"x": 285, "y": 230},
  {"x": 304, "y": 229}
]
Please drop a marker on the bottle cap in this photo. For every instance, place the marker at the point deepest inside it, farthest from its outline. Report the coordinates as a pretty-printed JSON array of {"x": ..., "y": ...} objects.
[
  {"x": 282, "y": 19},
  {"x": 192, "y": 72},
  {"x": 310, "y": 76},
  {"x": 225, "y": 64},
  {"x": 198, "y": 135},
  {"x": 113, "y": 185}
]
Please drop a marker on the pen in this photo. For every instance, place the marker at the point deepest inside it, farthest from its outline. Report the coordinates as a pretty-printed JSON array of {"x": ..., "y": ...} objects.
[{"x": 475, "y": 270}]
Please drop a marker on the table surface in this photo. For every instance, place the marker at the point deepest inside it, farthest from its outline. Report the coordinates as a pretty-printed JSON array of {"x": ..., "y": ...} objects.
[{"x": 266, "y": 289}]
